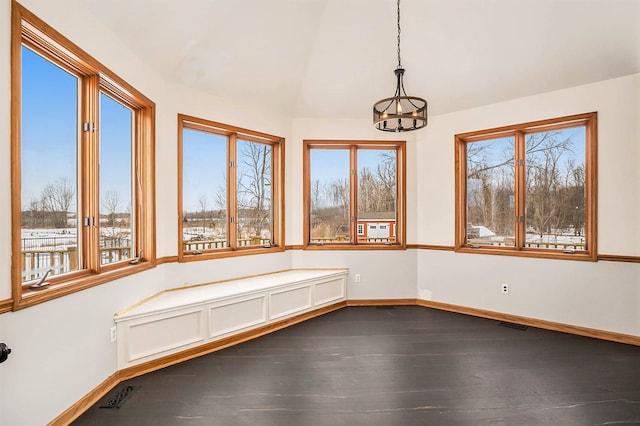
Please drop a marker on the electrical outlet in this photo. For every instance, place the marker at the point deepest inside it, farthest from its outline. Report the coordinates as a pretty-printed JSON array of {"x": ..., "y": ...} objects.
[
  {"x": 357, "y": 278},
  {"x": 505, "y": 288},
  {"x": 114, "y": 334}
]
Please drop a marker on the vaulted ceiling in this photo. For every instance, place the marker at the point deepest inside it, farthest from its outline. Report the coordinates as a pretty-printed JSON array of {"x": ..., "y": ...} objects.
[{"x": 326, "y": 58}]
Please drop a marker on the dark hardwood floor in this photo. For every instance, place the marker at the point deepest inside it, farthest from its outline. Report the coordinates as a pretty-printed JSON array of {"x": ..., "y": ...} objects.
[{"x": 392, "y": 366}]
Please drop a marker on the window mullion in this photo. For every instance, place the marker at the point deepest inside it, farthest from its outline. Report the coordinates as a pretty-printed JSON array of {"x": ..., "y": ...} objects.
[
  {"x": 88, "y": 180},
  {"x": 277, "y": 192},
  {"x": 137, "y": 236},
  {"x": 232, "y": 188},
  {"x": 401, "y": 194},
  {"x": 591, "y": 184},
  {"x": 520, "y": 190},
  {"x": 306, "y": 182},
  {"x": 353, "y": 194}
]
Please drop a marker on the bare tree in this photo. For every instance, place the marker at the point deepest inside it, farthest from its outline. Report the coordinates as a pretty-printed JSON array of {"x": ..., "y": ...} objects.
[
  {"x": 56, "y": 199},
  {"x": 202, "y": 202},
  {"x": 543, "y": 181},
  {"x": 316, "y": 194},
  {"x": 545, "y": 210},
  {"x": 339, "y": 193},
  {"x": 34, "y": 215},
  {"x": 386, "y": 182},
  {"x": 378, "y": 188},
  {"x": 490, "y": 182},
  {"x": 111, "y": 205},
  {"x": 113, "y": 232},
  {"x": 576, "y": 198},
  {"x": 254, "y": 188},
  {"x": 369, "y": 191}
]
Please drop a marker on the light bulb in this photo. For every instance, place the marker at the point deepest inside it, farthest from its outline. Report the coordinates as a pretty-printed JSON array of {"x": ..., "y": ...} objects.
[
  {"x": 385, "y": 114},
  {"x": 398, "y": 108}
]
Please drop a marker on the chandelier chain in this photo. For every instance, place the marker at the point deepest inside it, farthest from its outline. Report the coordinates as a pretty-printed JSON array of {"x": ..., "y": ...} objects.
[
  {"x": 399, "y": 62},
  {"x": 400, "y": 113}
]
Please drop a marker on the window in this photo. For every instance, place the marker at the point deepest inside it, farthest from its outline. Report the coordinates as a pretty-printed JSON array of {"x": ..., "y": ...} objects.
[
  {"x": 82, "y": 168},
  {"x": 231, "y": 190},
  {"x": 529, "y": 189},
  {"x": 353, "y": 192}
]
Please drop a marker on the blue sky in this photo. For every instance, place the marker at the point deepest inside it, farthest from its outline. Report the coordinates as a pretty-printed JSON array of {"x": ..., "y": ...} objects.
[
  {"x": 49, "y": 125},
  {"x": 329, "y": 164},
  {"x": 204, "y": 158},
  {"x": 50, "y": 132},
  {"x": 116, "y": 127}
]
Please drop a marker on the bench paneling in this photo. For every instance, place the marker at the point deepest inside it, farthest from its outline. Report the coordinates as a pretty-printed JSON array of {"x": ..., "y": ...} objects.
[{"x": 184, "y": 318}]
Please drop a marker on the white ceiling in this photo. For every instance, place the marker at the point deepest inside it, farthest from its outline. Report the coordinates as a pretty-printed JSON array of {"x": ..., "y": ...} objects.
[{"x": 326, "y": 58}]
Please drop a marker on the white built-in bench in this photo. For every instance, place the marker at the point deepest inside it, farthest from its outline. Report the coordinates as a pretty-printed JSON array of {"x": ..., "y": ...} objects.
[{"x": 183, "y": 318}]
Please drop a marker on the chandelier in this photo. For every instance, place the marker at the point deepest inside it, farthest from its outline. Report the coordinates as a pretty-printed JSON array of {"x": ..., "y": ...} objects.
[{"x": 400, "y": 113}]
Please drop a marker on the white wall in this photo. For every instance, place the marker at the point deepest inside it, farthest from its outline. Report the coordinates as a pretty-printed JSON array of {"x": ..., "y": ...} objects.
[
  {"x": 601, "y": 295},
  {"x": 384, "y": 274},
  {"x": 5, "y": 150},
  {"x": 62, "y": 348}
]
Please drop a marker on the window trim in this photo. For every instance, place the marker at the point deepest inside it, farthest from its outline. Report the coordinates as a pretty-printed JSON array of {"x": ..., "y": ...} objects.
[
  {"x": 277, "y": 187},
  {"x": 589, "y": 121},
  {"x": 401, "y": 192},
  {"x": 29, "y": 30}
]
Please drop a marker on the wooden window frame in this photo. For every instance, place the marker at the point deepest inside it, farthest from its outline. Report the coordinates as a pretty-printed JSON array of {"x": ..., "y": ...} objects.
[
  {"x": 29, "y": 30},
  {"x": 519, "y": 131},
  {"x": 353, "y": 146},
  {"x": 234, "y": 133}
]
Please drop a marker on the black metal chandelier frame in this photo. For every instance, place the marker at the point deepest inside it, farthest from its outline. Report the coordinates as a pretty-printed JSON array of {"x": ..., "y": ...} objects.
[{"x": 400, "y": 113}]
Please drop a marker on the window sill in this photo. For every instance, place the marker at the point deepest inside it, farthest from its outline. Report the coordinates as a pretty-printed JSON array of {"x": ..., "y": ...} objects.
[
  {"x": 224, "y": 253},
  {"x": 348, "y": 246},
  {"x": 30, "y": 297},
  {"x": 533, "y": 253}
]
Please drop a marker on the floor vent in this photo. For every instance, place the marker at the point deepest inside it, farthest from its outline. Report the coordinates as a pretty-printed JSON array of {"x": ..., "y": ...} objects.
[
  {"x": 385, "y": 307},
  {"x": 513, "y": 325},
  {"x": 120, "y": 397}
]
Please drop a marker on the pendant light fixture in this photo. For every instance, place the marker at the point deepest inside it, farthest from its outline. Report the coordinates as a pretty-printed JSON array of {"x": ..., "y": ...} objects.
[{"x": 400, "y": 113}]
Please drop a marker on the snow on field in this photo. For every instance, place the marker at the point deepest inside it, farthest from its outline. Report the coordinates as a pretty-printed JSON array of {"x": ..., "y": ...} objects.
[
  {"x": 61, "y": 238},
  {"x": 536, "y": 238}
]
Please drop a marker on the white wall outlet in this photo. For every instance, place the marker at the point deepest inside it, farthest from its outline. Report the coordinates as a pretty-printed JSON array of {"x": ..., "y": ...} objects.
[
  {"x": 505, "y": 288},
  {"x": 114, "y": 334},
  {"x": 357, "y": 278}
]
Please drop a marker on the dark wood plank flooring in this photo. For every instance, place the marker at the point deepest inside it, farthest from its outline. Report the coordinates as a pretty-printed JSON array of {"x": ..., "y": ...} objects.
[{"x": 392, "y": 366}]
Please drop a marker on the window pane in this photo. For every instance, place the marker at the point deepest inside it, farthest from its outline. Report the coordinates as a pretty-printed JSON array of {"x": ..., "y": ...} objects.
[
  {"x": 555, "y": 189},
  {"x": 204, "y": 191},
  {"x": 48, "y": 150},
  {"x": 376, "y": 195},
  {"x": 254, "y": 177},
  {"x": 117, "y": 204},
  {"x": 329, "y": 195},
  {"x": 490, "y": 192}
]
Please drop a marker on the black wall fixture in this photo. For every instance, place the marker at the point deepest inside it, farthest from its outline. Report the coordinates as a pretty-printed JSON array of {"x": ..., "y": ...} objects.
[{"x": 4, "y": 352}]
